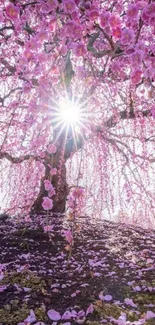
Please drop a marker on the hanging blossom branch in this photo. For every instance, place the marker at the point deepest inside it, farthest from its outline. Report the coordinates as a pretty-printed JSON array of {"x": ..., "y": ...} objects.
[
  {"x": 115, "y": 50},
  {"x": 16, "y": 160},
  {"x": 2, "y": 99},
  {"x": 116, "y": 142},
  {"x": 151, "y": 160},
  {"x": 12, "y": 70},
  {"x": 92, "y": 49},
  {"x": 125, "y": 115}
]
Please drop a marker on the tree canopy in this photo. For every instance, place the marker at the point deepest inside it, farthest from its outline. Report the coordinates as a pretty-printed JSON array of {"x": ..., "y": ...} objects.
[{"x": 99, "y": 57}]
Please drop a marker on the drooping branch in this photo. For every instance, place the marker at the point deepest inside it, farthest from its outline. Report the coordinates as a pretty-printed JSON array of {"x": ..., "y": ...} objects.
[
  {"x": 114, "y": 50},
  {"x": 91, "y": 48},
  {"x": 8, "y": 66},
  {"x": 9, "y": 93},
  {"x": 150, "y": 160},
  {"x": 12, "y": 69},
  {"x": 15, "y": 160},
  {"x": 125, "y": 115},
  {"x": 6, "y": 28}
]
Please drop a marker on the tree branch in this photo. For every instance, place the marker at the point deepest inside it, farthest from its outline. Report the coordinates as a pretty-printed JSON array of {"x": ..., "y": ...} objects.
[
  {"x": 6, "y": 28},
  {"x": 12, "y": 70},
  {"x": 125, "y": 115},
  {"x": 15, "y": 160},
  {"x": 91, "y": 48},
  {"x": 9, "y": 67}
]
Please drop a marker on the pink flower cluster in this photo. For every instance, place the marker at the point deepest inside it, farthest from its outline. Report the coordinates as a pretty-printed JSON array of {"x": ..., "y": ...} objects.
[
  {"x": 53, "y": 171},
  {"x": 148, "y": 14},
  {"x": 75, "y": 199},
  {"x": 12, "y": 12},
  {"x": 73, "y": 29},
  {"x": 68, "y": 235},
  {"x": 51, "y": 148},
  {"x": 47, "y": 203},
  {"x": 111, "y": 22},
  {"x": 136, "y": 76},
  {"x": 69, "y": 6},
  {"x": 79, "y": 49},
  {"x": 49, "y": 187},
  {"x": 127, "y": 36}
]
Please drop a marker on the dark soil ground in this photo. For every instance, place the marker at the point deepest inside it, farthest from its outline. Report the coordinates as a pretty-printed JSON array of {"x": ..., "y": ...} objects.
[{"x": 110, "y": 276}]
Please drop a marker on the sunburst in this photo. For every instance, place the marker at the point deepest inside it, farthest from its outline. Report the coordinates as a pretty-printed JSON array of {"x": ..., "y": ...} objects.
[{"x": 69, "y": 116}]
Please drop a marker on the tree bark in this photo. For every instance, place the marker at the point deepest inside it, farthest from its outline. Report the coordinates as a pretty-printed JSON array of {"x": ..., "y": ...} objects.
[
  {"x": 59, "y": 182},
  {"x": 60, "y": 185}
]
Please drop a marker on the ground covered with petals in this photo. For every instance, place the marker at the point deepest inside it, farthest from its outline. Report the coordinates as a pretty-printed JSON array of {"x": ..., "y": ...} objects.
[{"x": 109, "y": 278}]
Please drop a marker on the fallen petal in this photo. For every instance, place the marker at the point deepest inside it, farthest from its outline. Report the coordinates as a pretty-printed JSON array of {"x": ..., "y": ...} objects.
[
  {"x": 67, "y": 315},
  {"x": 90, "y": 309},
  {"x": 53, "y": 315},
  {"x": 31, "y": 318},
  {"x": 107, "y": 297},
  {"x": 150, "y": 314}
]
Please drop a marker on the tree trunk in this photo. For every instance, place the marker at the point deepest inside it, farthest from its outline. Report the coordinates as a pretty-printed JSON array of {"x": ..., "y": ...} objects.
[
  {"x": 60, "y": 185},
  {"x": 64, "y": 150}
]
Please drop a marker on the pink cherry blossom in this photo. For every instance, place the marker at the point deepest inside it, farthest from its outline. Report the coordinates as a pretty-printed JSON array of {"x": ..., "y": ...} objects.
[
  {"x": 100, "y": 53},
  {"x": 48, "y": 185},
  {"x": 127, "y": 36},
  {"x": 52, "y": 148},
  {"x": 12, "y": 11},
  {"x": 72, "y": 29},
  {"x": 104, "y": 19},
  {"x": 53, "y": 171},
  {"x": 93, "y": 14},
  {"x": 79, "y": 49},
  {"x": 117, "y": 33},
  {"x": 69, "y": 5},
  {"x": 42, "y": 154},
  {"x": 132, "y": 11},
  {"x": 137, "y": 57},
  {"x": 114, "y": 21},
  {"x": 77, "y": 192},
  {"x": 136, "y": 76},
  {"x": 148, "y": 14},
  {"x": 47, "y": 203}
]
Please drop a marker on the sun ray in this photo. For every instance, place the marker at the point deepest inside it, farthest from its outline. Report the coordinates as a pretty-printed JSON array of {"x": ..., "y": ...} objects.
[{"x": 70, "y": 116}]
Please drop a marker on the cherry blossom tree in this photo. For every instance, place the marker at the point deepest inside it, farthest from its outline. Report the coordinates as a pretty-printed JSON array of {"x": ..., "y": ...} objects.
[{"x": 94, "y": 56}]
